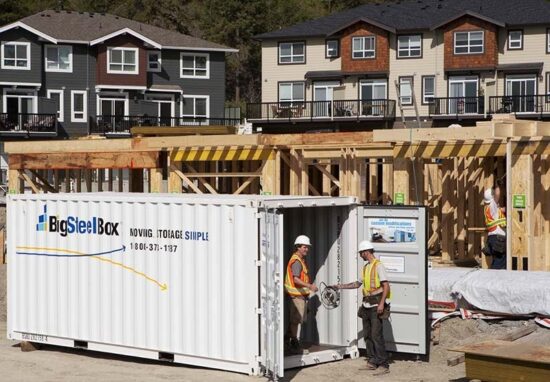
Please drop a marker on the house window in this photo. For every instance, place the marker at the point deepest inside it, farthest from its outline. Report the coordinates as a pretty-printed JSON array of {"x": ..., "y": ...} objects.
[
  {"x": 292, "y": 53},
  {"x": 59, "y": 58},
  {"x": 194, "y": 65},
  {"x": 122, "y": 60},
  {"x": 515, "y": 40},
  {"x": 469, "y": 42},
  {"x": 405, "y": 90},
  {"x": 547, "y": 86},
  {"x": 153, "y": 61},
  {"x": 428, "y": 89},
  {"x": 291, "y": 92},
  {"x": 409, "y": 46},
  {"x": 332, "y": 48},
  {"x": 79, "y": 106},
  {"x": 364, "y": 47},
  {"x": 16, "y": 55},
  {"x": 195, "y": 106},
  {"x": 57, "y": 96}
]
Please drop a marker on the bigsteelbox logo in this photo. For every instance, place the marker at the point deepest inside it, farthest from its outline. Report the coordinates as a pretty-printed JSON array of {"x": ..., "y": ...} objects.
[{"x": 76, "y": 225}]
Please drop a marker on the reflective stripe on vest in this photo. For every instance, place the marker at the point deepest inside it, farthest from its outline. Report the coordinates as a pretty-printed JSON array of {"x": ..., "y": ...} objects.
[
  {"x": 491, "y": 223},
  {"x": 371, "y": 280},
  {"x": 290, "y": 287}
]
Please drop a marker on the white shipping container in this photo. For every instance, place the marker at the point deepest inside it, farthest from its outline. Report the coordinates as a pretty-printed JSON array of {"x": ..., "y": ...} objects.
[{"x": 199, "y": 279}]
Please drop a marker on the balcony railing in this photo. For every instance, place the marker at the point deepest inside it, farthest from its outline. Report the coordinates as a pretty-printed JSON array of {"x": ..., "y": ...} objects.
[
  {"x": 28, "y": 123},
  {"x": 322, "y": 110},
  {"x": 457, "y": 106},
  {"x": 527, "y": 104},
  {"x": 121, "y": 124}
]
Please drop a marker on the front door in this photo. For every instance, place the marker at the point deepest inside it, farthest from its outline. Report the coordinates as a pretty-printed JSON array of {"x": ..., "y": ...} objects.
[
  {"x": 521, "y": 91},
  {"x": 373, "y": 96},
  {"x": 400, "y": 243},
  {"x": 323, "y": 95},
  {"x": 463, "y": 95}
]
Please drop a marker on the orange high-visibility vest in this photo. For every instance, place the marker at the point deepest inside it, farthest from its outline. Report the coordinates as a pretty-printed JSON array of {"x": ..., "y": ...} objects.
[
  {"x": 492, "y": 223},
  {"x": 371, "y": 280},
  {"x": 290, "y": 287}
]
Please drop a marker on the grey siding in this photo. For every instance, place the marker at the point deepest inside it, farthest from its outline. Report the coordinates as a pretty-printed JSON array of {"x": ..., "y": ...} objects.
[
  {"x": 213, "y": 87},
  {"x": 83, "y": 77},
  {"x": 30, "y": 76}
]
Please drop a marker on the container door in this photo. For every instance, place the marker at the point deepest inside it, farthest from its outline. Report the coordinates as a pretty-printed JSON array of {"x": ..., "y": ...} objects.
[
  {"x": 272, "y": 280},
  {"x": 400, "y": 242}
]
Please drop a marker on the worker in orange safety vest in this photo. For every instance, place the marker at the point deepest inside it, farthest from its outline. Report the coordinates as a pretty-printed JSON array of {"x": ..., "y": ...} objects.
[
  {"x": 298, "y": 287},
  {"x": 495, "y": 222}
]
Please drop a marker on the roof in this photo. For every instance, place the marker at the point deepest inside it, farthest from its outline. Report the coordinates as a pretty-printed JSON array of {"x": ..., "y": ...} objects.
[
  {"x": 86, "y": 27},
  {"x": 416, "y": 15},
  {"x": 521, "y": 67}
]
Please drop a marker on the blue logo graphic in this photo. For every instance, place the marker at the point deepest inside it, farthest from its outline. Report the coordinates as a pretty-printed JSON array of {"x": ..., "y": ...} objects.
[{"x": 43, "y": 220}]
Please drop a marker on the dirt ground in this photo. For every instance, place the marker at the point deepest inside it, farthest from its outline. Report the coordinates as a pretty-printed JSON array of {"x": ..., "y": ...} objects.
[{"x": 61, "y": 364}]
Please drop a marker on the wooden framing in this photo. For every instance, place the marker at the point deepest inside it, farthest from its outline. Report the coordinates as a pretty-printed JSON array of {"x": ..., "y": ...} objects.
[{"x": 446, "y": 169}]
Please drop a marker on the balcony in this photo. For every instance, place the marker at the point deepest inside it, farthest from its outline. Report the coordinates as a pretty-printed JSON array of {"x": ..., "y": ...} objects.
[
  {"x": 526, "y": 106},
  {"x": 121, "y": 125},
  {"x": 457, "y": 108},
  {"x": 16, "y": 124},
  {"x": 321, "y": 111}
]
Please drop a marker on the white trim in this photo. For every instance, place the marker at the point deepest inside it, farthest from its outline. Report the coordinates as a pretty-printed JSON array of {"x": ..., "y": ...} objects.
[
  {"x": 207, "y": 97},
  {"x": 469, "y": 44},
  {"x": 408, "y": 48},
  {"x": 122, "y": 48},
  {"x": 292, "y": 55},
  {"x": 27, "y": 44},
  {"x": 34, "y": 98},
  {"x": 84, "y": 118},
  {"x": 124, "y": 31},
  {"x": 228, "y": 50},
  {"x": 70, "y": 70},
  {"x": 171, "y": 101},
  {"x": 373, "y": 82},
  {"x": 108, "y": 96},
  {"x": 126, "y": 87},
  {"x": 159, "y": 69},
  {"x": 363, "y": 50},
  {"x": 207, "y": 55},
  {"x": 19, "y": 24},
  {"x": 10, "y": 83},
  {"x": 510, "y": 40},
  {"x": 61, "y": 92},
  {"x": 165, "y": 90},
  {"x": 337, "y": 48}
]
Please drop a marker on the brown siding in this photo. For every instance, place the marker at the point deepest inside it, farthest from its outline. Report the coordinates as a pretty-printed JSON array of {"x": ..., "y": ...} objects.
[
  {"x": 104, "y": 78},
  {"x": 378, "y": 64},
  {"x": 489, "y": 57}
]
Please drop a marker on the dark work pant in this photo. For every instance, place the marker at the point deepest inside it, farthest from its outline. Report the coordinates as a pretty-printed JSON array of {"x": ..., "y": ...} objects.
[
  {"x": 499, "y": 257},
  {"x": 374, "y": 338}
]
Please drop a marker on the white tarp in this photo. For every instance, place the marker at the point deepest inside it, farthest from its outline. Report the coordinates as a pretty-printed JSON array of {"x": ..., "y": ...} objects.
[
  {"x": 442, "y": 280},
  {"x": 513, "y": 292}
]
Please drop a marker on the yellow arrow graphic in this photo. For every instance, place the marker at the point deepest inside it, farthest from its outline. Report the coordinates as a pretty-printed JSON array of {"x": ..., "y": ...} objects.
[{"x": 162, "y": 287}]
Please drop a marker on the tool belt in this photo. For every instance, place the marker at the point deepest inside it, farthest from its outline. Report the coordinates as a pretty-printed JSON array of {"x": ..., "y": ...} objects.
[{"x": 372, "y": 299}]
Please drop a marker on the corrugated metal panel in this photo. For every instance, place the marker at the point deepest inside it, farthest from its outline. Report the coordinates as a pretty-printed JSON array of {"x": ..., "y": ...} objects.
[{"x": 194, "y": 299}]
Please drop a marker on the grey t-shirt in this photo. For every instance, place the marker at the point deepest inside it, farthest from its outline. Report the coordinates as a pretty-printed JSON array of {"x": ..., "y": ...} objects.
[{"x": 296, "y": 269}]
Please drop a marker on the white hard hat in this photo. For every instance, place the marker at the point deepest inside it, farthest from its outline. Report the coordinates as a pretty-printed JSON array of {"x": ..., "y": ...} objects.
[
  {"x": 365, "y": 245},
  {"x": 488, "y": 195},
  {"x": 302, "y": 240}
]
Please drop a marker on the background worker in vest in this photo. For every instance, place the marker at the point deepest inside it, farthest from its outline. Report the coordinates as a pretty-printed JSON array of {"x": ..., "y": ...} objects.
[
  {"x": 298, "y": 288},
  {"x": 495, "y": 221},
  {"x": 376, "y": 295}
]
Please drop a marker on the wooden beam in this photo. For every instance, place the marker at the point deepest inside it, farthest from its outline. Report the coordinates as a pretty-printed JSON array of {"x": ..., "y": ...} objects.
[
  {"x": 202, "y": 180},
  {"x": 401, "y": 172},
  {"x": 222, "y": 153},
  {"x": 175, "y": 183},
  {"x": 45, "y": 184},
  {"x": 185, "y": 179},
  {"x": 456, "y": 149},
  {"x": 341, "y": 138},
  {"x": 84, "y": 160},
  {"x": 35, "y": 188},
  {"x": 432, "y": 134}
]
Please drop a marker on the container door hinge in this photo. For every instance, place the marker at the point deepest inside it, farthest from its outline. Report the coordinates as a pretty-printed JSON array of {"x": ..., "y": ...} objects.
[
  {"x": 258, "y": 263},
  {"x": 259, "y": 359},
  {"x": 259, "y": 311}
]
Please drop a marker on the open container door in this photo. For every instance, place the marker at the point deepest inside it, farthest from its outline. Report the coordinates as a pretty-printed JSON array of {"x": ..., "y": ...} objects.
[
  {"x": 400, "y": 242},
  {"x": 272, "y": 283}
]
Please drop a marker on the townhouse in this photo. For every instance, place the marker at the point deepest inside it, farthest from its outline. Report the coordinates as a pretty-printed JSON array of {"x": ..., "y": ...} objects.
[
  {"x": 65, "y": 74},
  {"x": 445, "y": 61}
]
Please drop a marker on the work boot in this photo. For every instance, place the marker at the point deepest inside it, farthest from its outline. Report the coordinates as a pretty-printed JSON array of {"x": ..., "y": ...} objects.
[
  {"x": 381, "y": 370},
  {"x": 296, "y": 347}
]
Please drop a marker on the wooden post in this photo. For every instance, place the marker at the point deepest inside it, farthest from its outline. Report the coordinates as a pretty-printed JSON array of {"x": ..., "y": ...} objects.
[
  {"x": 88, "y": 179},
  {"x": 100, "y": 180},
  {"x": 401, "y": 182},
  {"x": 175, "y": 183},
  {"x": 387, "y": 181},
  {"x": 15, "y": 185},
  {"x": 373, "y": 181},
  {"x": 269, "y": 175},
  {"x": 110, "y": 182},
  {"x": 136, "y": 180},
  {"x": 520, "y": 230},
  {"x": 295, "y": 173},
  {"x": 327, "y": 183},
  {"x": 460, "y": 201},
  {"x": 67, "y": 180},
  {"x": 57, "y": 180},
  {"x": 155, "y": 180},
  {"x": 447, "y": 211},
  {"x": 537, "y": 260}
]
